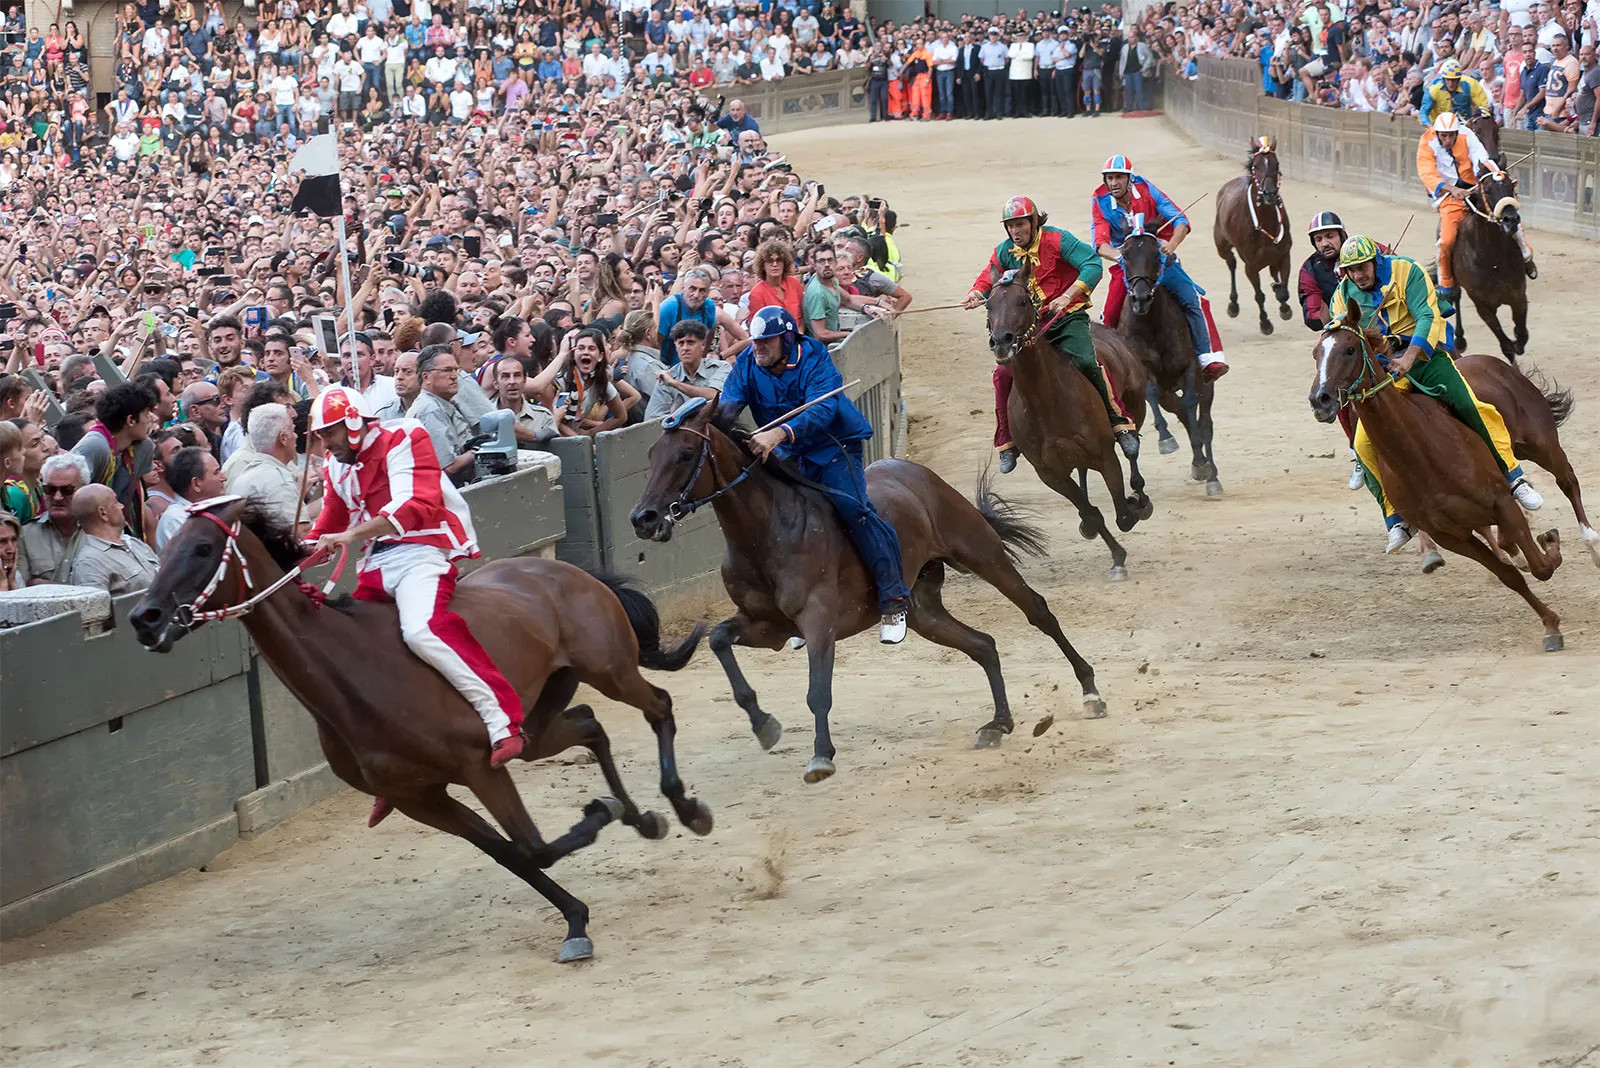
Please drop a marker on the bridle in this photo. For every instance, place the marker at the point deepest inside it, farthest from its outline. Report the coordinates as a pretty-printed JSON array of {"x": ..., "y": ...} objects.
[
  {"x": 1128, "y": 279},
  {"x": 1039, "y": 326},
  {"x": 189, "y": 615},
  {"x": 1258, "y": 187},
  {"x": 1485, "y": 212},
  {"x": 1370, "y": 366},
  {"x": 686, "y": 504}
]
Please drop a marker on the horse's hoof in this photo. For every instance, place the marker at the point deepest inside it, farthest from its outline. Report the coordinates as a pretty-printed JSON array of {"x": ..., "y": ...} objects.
[
  {"x": 1554, "y": 643},
  {"x": 653, "y": 825},
  {"x": 1198, "y": 473},
  {"x": 1284, "y": 313},
  {"x": 1044, "y": 724},
  {"x": 1118, "y": 573},
  {"x": 1169, "y": 445},
  {"x": 1086, "y": 530},
  {"x": 1431, "y": 562},
  {"x": 1233, "y": 310},
  {"x": 818, "y": 768},
  {"x": 769, "y": 733},
  {"x": 1127, "y": 521},
  {"x": 575, "y": 949},
  {"x": 1094, "y": 707},
  {"x": 1266, "y": 326},
  {"x": 699, "y": 821},
  {"x": 1146, "y": 508},
  {"x": 989, "y": 738},
  {"x": 1213, "y": 488},
  {"x": 613, "y": 806}
]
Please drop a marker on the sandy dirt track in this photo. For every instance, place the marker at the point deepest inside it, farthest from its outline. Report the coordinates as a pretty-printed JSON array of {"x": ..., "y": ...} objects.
[{"x": 1340, "y": 813}]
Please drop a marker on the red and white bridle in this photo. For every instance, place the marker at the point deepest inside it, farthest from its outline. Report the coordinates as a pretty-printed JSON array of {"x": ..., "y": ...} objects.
[{"x": 188, "y": 615}]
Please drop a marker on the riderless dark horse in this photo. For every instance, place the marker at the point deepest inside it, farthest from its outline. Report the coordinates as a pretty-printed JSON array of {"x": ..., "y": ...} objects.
[
  {"x": 792, "y": 571},
  {"x": 1154, "y": 324},
  {"x": 1252, "y": 219}
]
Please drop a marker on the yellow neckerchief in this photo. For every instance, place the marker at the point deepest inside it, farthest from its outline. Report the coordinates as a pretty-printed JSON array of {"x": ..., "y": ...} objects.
[{"x": 1030, "y": 256}]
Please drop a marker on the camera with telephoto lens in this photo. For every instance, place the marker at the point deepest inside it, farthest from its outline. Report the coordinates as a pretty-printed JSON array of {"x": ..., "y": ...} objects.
[{"x": 398, "y": 265}]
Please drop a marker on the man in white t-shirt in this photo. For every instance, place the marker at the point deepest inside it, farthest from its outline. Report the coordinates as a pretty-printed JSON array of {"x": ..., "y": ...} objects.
[
  {"x": 350, "y": 77},
  {"x": 1019, "y": 87},
  {"x": 461, "y": 102},
  {"x": 1549, "y": 30},
  {"x": 308, "y": 109},
  {"x": 944, "y": 52},
  {"x": 284, "y": 91},
  {"x": 342, "y": 24},
  {"x": 125, "y": 143}
]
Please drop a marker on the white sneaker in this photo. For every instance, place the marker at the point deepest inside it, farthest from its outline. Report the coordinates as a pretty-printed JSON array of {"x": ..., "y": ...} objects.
[
  {"x": 1526, "y": 495},
  {"x": 1357, "y": 479},
  {"x": 892, "y": 628},
  {"x": 1399, "y": 534}
]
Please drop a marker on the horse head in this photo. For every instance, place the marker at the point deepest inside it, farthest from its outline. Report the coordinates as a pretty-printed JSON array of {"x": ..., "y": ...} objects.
[
  {"x": 1497, "y": 193},
  {"x": 191, "y": 574},
  {"x": 1012, "y": 312},
  {"x": 1141, "y": 269},
  {"x": 681, "y": 461},
  {"x": 1487, "y": 131},
  {"x": 1341, "y": 355},
  {"x": 1263, "y": 168}
]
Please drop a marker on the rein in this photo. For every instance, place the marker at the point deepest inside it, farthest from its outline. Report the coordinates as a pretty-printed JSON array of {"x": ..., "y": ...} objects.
[
  {"x": 686, "y": 505},
  {"x": 1369, "y": 364},
  {"x": 187, "y": 616},
  {"x": 1255, "y": 219}
]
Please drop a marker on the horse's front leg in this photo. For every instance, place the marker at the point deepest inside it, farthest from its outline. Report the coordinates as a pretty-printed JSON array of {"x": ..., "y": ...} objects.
[
  {"x": 1491, "y": 318},
  {"x": 761, "y": 634},
  {"x": 1280, "y": 287},
  {"x": 1152, "y": 393},
  {"x": 1254, "y": 274}
]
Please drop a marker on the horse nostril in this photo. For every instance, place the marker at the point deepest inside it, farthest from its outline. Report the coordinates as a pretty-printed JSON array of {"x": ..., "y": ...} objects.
[
  {"x": 645, "y": 517},
  {"x": 147, "y": 616}
]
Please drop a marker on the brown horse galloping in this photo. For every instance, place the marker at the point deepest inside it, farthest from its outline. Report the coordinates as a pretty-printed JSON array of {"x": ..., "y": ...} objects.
[
  {"x": 792, "y": 571},
  {"x": 1056, "y": 416},
  {"x": 1488, "y": 264},
  {"x": 1156, "y": 330},
  {"x": 1436, "y": 472},
  {"x": 1252, "y": 219},
  {"x": 393, "y": 727}
]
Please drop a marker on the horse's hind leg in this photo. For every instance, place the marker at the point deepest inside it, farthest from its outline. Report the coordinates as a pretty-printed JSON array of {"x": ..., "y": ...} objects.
[
  {"x": 437, "y": 809},
  {"x": 1152, "y": 393},
  {"x": 1280, "y": 287},
  {"x": 1254, "y": 274},
  {"x": 742, "y": 630},
  {"x": 1555, "y": 461},
  {"x": 989, "y": 562},
  {"x": 817, "y": 629},
  {"x": 1208, "y": 440},
  {"x": 1486, "y": 312},
  {"x": 1511, "y": 578},
  {"x": 929, "y": 618},
  {"x": 656, "y": 704},
  {"x": 1225, "y": 250}
]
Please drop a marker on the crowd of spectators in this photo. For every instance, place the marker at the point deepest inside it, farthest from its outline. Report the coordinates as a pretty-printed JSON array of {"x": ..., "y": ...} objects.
[
  {"x": 580, "y": 244},
  {"x": 1534, "y": 60}
]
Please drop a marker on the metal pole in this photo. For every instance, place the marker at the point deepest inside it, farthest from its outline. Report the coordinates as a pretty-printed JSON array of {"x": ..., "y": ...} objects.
[{"x": 349, "y": 297}]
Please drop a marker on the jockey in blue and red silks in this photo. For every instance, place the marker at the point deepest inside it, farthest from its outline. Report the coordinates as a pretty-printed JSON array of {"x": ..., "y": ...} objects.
[{"x": 1115, "y": 209}]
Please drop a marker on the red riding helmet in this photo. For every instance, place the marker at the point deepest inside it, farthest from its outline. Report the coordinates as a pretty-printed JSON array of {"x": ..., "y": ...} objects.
[
  {"x": 338, "y": 404},
  {"x": 1019, "y": 208}
]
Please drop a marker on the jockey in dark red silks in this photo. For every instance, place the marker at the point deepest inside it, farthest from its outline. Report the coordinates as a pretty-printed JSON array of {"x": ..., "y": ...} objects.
[{"x": 1064, "y": 272}]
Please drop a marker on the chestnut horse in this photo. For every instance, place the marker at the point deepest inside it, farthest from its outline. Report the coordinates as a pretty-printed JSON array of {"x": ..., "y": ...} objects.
[
  {"x": 1437, "y": 473},
  {"x": 1155, "y": 329},
  {"x": 1252, "y": 219},
  {"x": 1057, "y": 419},
  {"x": 392, "y": 727},
  {"x": 792, "y": 572}
]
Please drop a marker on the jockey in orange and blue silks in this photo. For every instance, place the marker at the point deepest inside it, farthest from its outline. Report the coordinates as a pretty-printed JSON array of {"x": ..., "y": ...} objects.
[{"x": 1121, "y": 198}]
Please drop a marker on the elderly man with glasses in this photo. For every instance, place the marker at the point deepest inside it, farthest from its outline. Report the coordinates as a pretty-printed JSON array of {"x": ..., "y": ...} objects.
[{"x": 49, "y": 541}]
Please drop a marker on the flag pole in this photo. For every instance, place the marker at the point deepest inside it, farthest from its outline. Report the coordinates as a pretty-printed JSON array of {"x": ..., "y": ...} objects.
[{"x": 349, "y": 297}]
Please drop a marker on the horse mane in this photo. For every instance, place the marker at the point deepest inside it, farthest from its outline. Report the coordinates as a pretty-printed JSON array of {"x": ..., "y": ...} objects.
[
  {"x": 282, "y": 544},
  {"x": 781, "y": 468}
]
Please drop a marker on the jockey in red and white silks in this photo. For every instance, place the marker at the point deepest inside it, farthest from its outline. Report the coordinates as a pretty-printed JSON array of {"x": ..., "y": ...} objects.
[{"x": 384, "y": 483}]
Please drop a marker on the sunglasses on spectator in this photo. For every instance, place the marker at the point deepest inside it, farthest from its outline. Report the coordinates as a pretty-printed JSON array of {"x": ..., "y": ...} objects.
[{"x": 58, "y": 491}]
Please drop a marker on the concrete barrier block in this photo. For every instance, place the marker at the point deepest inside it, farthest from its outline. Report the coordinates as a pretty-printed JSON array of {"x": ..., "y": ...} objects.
[
  {"x": 18, "y": 608},
  {"x": 269, "y": 806}
]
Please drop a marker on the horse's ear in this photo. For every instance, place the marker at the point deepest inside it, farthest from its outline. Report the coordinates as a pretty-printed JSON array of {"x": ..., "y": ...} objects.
[
  {"x": 994, "y": 274},
  {"x": 1025, "y": 270},
  {"x": 1272, "y": 142}
]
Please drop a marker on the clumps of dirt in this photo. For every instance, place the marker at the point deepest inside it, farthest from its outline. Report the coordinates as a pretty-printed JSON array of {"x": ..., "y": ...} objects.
[{"x": 768, "y": 874}]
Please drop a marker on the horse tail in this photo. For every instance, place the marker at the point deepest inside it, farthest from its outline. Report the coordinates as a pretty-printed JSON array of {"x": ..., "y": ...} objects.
[
  {"x": 646, "y": 624},
  {"x": 1559, "y": 400},
  {"x": 1017, "y": 533}
]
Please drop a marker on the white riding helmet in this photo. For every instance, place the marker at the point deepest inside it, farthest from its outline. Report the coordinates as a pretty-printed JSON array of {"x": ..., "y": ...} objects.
[{"x": 1448, "y": 122}]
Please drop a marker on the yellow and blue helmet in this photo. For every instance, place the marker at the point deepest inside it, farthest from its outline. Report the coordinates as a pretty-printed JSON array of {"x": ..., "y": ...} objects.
[
  {"x": 1450, "y": 70},
  {"x": 1358, "y": 249}
]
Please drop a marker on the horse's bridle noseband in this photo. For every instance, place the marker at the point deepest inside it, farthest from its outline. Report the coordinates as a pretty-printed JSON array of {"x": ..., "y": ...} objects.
[
  {"x": 1258, "y": 185},
  {"x": 1369, "y": 365},
  {"x": 686, "y": 505},
  {"x": 187, "y": 616}
]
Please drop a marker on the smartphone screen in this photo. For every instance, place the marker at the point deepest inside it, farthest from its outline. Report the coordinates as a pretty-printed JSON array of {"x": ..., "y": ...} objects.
[{"x": 473, "y": 244}]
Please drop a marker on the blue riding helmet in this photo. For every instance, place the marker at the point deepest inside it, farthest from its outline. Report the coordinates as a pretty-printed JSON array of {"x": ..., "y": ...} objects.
[
  {"x": 772, "y": 321},
  {"x": 690, "y": 407}
]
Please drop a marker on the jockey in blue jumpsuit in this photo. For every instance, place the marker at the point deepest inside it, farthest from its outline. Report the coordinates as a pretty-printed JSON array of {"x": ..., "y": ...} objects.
[
  {"x": 1114, "y": 213},
  {"x": 778, "y": 372}
]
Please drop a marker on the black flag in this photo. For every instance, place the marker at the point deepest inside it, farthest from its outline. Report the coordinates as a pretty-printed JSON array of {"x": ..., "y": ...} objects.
[{"x": 319, "y": 190}]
